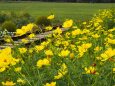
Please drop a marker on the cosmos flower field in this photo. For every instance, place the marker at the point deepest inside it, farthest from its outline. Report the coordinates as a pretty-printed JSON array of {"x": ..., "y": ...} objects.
[{"x": 84, "y": 55}]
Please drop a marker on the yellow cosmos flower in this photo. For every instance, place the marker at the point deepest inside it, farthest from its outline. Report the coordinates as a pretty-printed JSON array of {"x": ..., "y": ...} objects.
[
  {"x": 24, "y": 41},
  {"x": 110, "y": 35},
  {"x": 31, "y": 35},
  {"x": 113, "y": 70},
  {"x": 107, "y": 54},
  {"x": 39, "y": 47},
  {"x": 8, "y": 83},
  {"x": 22, "y": 50},
  {"x": 6, "y": 59},
  {"x": 67, "y": 35},
  {"x": 65, "y": 43},
  {"x": 25, "y": 29},
  {"x": 30, "y": 27},
  {"x": 83, "y": 38},
  {"x": 49, "y": 28},
  {"x": 84, "y": 23},
  {"x": 31, "y": 50},
  {"x": 87, "y": 45},
  {"x": 43, "y": 62},
  {"x": 67, "y": 23},
  {"x": 111, "y": 41},
  {"x": 7, "y": 40},
  {"x": 50, "y": 84},
  {"x": 64, "y": 53},
  {"x": 58, "y": 31},
  {"x": 62, "y": 71},
  {"x": 21, "y": 81},
  {"x": 90, "y": 70},
  {"x": 97, "y": 48},
  {"x": 96, "y": 36},
  {"x": 49, "y": 52},
  {"x": 72, "y": 55},
  {"x": 50, "y": 17},
  {"x": 76, "y": 32},
  {"x": 19, "y": 32},
  {"x": 85, "y": 31},
  {"x": 83, "y": 48},
  {"x": 2, "y": 69},
  {"x": 18, "y": 69}
]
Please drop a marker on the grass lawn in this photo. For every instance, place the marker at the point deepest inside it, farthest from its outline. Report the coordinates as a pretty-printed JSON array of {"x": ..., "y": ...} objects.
[{"x": 76, "y": 11}]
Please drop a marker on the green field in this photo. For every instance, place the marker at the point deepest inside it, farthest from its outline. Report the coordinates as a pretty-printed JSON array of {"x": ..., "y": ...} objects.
[{"x": 61, "y": 10}]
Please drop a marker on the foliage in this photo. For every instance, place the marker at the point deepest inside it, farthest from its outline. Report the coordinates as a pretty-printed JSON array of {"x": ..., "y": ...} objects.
[
  {"x": 3, "y": 17},
  {"x": 9, "y": 26},
  {"x": 43, "y": 21},
  {"x": 82, "y": 56}
]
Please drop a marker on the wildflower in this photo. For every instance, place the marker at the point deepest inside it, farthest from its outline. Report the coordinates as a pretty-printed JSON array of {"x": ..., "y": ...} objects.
[
  {"x": 31, "y": 50},
  {"x": 6, "y": 59},
  {"x": 76, "y": 32},
  {"x": 18, "y": 69},
  {"x": 19, "y": 32},
  {"x": 8, "y": 39},
  {"x": 97, "y": 48},
  {"x": 83, "y": 48},
  {"x": 43, "y": 62},
  {"x": 24, "y": 41},
  {"x": 96, "y": 36},
  {"x": 58, "y": 31},
  {"x": 45, "y": 43},
  {"x": 110, "y": 35},
  {"x": 67, "y": 23},
  {"x": 111, "y": 41},
  {"x": 83, "y": 38},
  {"x": 39, "y": 47},
  {"x": 85, "y": 31},
  {"x": 21, "y": 81},
  {"x": 8, "y": 83},
  {"x": 84, "y": 23},
  {"x": 48, "y": 52},
  {"x": 113, "y": 70},
  {"x": 64, "y": 53},
  {"x": 25, "y": 29},
  {"x": 67, "y": 34},
  {"x": 22, "y": 50},
  {"x": 39, "y": 63},
  {"x": 2, "y": 69},
  {"x": 107, "y": 54},
  {"x": 91, "y": 70},
  {"x": 29, "y": 27},
  {"x": 73, "y": 47},
  {"x": 49, "y": 28},
  {"x": 62, "y": 71},
  {"x": 65, "y": 43},
  {"x": 50, "y": 84},
  {"x": 72, "y": 55},
  {"x": 31, "y": 35},
  {"x": 50, "y": 17}
]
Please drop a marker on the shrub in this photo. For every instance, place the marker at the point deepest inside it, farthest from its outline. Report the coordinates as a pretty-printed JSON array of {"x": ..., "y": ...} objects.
[
  {"x": 23, "y": 14},
  {"x": 3, "y": 17},
  {"x": 43, "y": 21},
  {"x": 23, "y": 19},
  {"x": 9, "y": 25}
]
